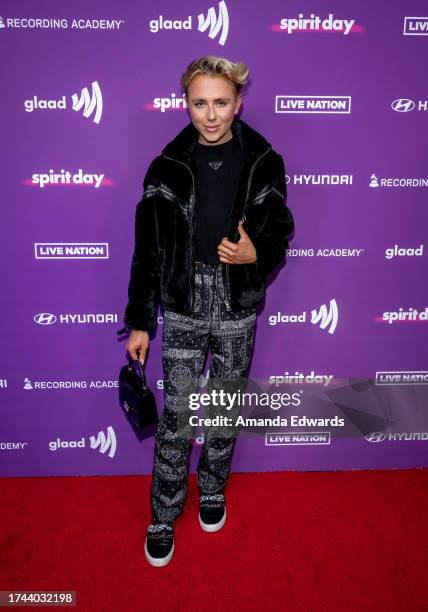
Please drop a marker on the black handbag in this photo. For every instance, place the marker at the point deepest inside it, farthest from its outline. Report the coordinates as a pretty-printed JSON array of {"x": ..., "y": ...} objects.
[{"x": 135, "y": 397}]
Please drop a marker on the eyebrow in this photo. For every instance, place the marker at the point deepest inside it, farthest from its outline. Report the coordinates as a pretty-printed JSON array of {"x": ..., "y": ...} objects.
[{"x": 203, "y": 99}]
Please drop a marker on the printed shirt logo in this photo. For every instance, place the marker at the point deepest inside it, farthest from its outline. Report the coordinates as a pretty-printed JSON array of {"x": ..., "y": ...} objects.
[{"x": 215, "y": 165}]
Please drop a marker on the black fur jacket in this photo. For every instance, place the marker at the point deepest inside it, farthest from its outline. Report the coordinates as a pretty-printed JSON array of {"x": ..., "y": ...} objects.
[{"x": 162, "y": 261}]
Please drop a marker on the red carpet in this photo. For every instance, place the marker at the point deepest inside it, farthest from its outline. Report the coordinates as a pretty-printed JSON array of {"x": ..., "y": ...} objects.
[{"x": 294, "y": 541}]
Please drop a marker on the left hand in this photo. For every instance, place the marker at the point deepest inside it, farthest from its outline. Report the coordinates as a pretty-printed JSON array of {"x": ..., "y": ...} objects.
[{"x": 242, "y": 252}]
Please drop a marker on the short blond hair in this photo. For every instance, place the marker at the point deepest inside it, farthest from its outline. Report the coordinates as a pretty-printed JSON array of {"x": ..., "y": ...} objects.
[{"x": 235, "y": 72}]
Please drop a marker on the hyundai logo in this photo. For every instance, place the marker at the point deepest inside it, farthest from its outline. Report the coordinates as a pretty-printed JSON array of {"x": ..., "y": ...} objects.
[
  {"x": 402, "y": 105},
  {"x": 45, "y": 318}
]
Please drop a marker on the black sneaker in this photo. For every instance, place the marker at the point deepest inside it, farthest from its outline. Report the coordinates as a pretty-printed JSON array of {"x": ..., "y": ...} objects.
[
  {"x": 159, "y": 544},
  {"x": 212, "y": 512}
]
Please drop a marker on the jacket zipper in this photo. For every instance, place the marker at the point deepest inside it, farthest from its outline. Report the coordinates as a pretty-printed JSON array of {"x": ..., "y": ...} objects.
[
  {"x": 242, "y": 219},
  {"x": 191, "y": 227}
]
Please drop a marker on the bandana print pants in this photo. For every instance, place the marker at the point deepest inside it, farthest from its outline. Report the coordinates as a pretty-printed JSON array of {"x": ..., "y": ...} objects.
[{"x": 229, "y": 336}]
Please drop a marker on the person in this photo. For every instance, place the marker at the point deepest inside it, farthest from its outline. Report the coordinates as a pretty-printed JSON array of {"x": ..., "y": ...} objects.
[{"x": 211, "y": 225}]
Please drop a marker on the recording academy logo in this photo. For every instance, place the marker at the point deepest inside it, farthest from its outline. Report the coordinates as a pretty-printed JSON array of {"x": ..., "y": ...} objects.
[
  {"x": 404, "y": 105},
  {"x": 402, "y": 377},
  {"x": 325, "y": 317},
  {"x": 67, "y": 178},
  {"x": 380, "y": 436},
  {"x": 67, "y": 385},
  {"x": 314, "y": 23},
  {"x": 218, "y": 24},
  {"x": 91, "y": 104},
  {"x": 13, "y": 446},
  {"x": 31, "y": 23},
  {"x": 287, "y": 438},
  {"x": 71, "y": 250},
  {"x": 415, "y": 26},
  {"x": 325, "y": 252},
  {"x": 103, "y": 442},
  {"x": 327, "y": 105},
  {"x": 47, "y": 318},
  {"x": 319, "y": 179},
  {"x": 397, "y": 181}
]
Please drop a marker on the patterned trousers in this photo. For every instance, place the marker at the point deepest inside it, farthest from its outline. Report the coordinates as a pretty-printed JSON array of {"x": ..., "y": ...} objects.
[{"x": 229, "y": 336}]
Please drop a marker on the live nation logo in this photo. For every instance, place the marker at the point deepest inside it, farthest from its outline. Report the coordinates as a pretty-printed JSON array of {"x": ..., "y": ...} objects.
[
  {"x": 402, "y": 377},
  {"x": 415, "y": 26},
  {"x": 71, "y": 250},
  {"x": 286, "y": 438},
  {"x": 331, "y": 105}
]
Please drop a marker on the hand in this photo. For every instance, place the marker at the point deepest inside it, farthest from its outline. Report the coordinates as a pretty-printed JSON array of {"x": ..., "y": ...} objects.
[
  {"x": 241, "y": 252},
  {"x": 138, "y": 340}
]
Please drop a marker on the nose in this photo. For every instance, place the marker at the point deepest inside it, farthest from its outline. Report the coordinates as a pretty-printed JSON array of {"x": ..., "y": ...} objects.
[{"x": 211, "y": 113}]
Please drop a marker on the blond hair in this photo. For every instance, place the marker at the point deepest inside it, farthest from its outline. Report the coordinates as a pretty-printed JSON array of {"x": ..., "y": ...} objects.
[{"x": 235, "y": 72}]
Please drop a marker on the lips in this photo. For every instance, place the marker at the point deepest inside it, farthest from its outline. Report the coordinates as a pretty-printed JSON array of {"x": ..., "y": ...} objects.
[{"x": 211, "y": 128}]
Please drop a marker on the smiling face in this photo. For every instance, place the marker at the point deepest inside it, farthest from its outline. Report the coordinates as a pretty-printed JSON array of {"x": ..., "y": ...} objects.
[{"x": 212, "y": 102}]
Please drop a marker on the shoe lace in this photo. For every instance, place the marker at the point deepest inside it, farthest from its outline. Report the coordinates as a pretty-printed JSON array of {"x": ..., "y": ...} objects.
[
  {"x": 217, "y": 497},
  {"x": 156, "y": 527}
]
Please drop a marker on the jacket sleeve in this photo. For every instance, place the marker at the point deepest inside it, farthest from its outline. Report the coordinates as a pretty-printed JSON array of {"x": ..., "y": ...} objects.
[
  {"x": 271, "y": 242},
  {"x": 144, "y": 280}
]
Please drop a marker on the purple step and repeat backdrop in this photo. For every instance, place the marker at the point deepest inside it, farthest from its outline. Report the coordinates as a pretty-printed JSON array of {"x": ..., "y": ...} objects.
[{"x": 90, "y": 95}]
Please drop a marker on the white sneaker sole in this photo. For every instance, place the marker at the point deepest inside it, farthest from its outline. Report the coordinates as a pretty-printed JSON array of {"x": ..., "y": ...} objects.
[
  {"x": 214, "y": 526},
  {"x": 158, "y": 561}
]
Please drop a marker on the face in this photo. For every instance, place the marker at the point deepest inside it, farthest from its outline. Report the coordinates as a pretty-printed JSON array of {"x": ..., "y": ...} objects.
[{"x": 212, "y": 103}]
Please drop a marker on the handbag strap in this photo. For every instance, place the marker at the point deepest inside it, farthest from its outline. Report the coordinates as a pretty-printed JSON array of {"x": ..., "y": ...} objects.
[{"x": 141, "y": 370}]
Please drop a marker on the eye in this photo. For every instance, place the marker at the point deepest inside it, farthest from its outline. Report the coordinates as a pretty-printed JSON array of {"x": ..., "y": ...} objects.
[{"x": 198, "y": 103}]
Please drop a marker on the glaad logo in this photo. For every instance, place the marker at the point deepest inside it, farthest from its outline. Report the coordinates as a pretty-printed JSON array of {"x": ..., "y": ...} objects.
[
  {"x": 202, "y": 381},
  {"x": 315, "y": 23},
  {"x": 47, "y": 318},
  {"x": 325, "y": 318},
  {"x": 71, "y": 250},
  {"x": 103, "y": 442},
  {"x": 415, "y": 26},
  {"x": 91, "y": 103},
  {"x": 331, "y": 105},
  {"x": 216, "y": 24},
  {"x": 397, "y": 251},
  {"x": 404, "y": 105},
  {"x": 397, "y": 182},
  {"x": 380, "y": 436}
]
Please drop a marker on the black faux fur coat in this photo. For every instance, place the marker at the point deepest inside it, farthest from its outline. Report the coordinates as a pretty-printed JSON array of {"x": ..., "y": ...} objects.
[{"x": 162, "y": 261}]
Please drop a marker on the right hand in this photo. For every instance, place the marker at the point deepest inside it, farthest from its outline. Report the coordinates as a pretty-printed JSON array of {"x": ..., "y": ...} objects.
[{"x": 138, "y": 340}]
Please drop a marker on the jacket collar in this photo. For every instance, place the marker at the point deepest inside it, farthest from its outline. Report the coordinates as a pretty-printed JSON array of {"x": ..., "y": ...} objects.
[{"x": 251, "y": 141}]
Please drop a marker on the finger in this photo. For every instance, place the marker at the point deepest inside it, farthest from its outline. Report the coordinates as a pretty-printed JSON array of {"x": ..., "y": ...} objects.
[
  {"x": 133, "y": 353},
  {"x": 142, "y": 354},
  {"x": 228, "y": 243},
  {"x": 226, "y": 250}
]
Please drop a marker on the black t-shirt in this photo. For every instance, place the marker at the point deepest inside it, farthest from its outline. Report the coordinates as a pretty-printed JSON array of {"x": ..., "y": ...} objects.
[{"x": 219, "y": 167}]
